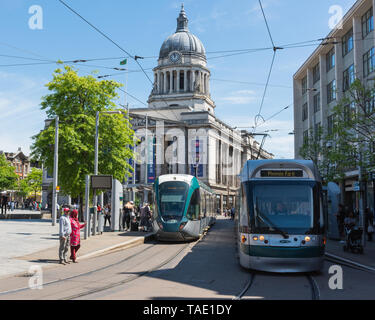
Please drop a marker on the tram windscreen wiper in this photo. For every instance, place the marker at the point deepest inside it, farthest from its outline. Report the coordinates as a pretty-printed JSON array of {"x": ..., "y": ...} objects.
[{"x": 270, "y": 224}]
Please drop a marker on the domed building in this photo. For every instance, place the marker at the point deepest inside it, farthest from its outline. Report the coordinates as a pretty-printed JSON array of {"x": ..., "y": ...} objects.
[{"x": 179, "y": 131}]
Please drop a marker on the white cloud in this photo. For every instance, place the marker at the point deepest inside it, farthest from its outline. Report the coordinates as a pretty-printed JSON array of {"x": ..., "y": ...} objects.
[{"x": 240, "y": 97}]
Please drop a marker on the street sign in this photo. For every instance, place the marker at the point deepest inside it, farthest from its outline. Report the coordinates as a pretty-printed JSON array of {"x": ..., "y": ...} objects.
[
  {"x": 356, "y": 186},
  {"x": 57, "y": 188},
  {"x": 103, "y": 182}
]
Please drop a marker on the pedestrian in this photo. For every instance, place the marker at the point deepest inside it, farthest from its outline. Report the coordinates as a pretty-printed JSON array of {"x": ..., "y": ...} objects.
[
  {"x": 232, "y": 213},
  {"x": 340, "y": 217},
  {"x": 107, "y": 215},
  {"x": 75, "y": 238},
  {"x": 128, "y": 209},
  {"x": 64, "y": 232},
  {"x": 12, "y": 205},
  {"x": 4, "y": 205},
  {"x": 369, "y": 223},
  {"x": 145, "y": 216}
]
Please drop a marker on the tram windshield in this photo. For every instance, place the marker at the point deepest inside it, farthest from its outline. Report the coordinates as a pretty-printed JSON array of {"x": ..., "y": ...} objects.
[
  {"x": 172, "y": 198},
  {"x": 285, "y": 208}
]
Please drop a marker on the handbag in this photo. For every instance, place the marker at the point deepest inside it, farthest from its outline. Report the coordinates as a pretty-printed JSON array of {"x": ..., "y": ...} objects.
[{"x": 370, "y": 229}]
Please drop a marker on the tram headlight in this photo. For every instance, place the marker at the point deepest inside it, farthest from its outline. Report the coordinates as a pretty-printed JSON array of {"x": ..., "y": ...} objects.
[
  {"x": 160, "y": 225},
  {"x": 307, "y": 239},
  {"x": 255, "y": 238},
  {"x": 261, "y": 238},
  {"x": 243, "y": 239}
]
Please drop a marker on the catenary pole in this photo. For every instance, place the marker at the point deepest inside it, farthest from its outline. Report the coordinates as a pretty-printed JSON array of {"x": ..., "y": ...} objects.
[
  {"x": 96, "y": 169},
  {"x": 55, "y": 172}
]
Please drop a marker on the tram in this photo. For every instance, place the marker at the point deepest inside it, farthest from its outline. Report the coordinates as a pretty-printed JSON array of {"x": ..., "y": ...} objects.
[
  {"x": 184, "y": 207},
  {"x": 280, "y": 221}
]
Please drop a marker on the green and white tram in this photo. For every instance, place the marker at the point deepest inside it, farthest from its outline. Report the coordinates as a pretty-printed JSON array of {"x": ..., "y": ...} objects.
[
  {"x": 281, "y": 224},
  {"x": 184, "y": 207}
]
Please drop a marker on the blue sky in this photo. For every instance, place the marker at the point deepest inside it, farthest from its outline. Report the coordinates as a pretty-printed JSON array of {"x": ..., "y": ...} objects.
[{"x": 140, "y": 27}]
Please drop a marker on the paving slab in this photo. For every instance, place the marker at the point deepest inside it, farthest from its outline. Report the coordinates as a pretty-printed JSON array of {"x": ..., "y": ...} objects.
[{"x": 26, "y": 243}]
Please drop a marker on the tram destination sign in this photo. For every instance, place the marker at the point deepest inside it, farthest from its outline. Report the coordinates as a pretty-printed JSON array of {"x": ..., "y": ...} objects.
[{"x": 281, "y": 173}]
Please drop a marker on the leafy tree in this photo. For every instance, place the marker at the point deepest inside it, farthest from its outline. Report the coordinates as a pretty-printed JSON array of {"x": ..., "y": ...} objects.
[
  {"x": 8, "y": 177},
  {"x": 76, "y": 100},
  {"x": 351, "y": 139},
  {"x": 34, "y": 180},
  {"x": 23, "y": 189}
]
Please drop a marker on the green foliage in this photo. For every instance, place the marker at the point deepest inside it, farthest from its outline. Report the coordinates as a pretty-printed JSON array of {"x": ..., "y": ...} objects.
[
  {"x": 34, "y": 180},
  {"x": 351, "y": 140},
  {"x": 76, "y": 100},
  {"x": 23, "y": 188},
  {"x": 8, "y": 177}
]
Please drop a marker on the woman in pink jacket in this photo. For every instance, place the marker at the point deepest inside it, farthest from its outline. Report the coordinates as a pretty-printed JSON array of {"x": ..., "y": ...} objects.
[{"x": 75, "y": 236}]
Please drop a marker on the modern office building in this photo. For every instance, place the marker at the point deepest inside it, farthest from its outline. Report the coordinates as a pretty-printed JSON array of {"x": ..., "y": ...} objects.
[{"x": 324, "y": 78}]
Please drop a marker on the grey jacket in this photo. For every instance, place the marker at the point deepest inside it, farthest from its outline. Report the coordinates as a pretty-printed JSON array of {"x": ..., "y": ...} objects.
[{"x": 65, "y": 227}]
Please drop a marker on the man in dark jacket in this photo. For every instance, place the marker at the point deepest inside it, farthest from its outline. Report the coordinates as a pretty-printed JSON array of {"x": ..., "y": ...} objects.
[{"x": 145, "y": 216}]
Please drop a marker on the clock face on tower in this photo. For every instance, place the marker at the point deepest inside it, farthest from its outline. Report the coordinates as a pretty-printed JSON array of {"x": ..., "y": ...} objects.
[{"x": 175, "y": 57}]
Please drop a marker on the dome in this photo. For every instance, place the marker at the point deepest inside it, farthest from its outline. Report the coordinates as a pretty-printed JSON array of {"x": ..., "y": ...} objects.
[{"x": 182, "y": 40}]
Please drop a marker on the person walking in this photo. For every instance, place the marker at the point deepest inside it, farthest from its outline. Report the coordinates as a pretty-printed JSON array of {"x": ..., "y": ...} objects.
[
  {"x": 107, "y": 215},
  {"x": 340, "y": 216},
  {"x": 145, "y": 216},
  {"x": 4, "y": 205},
  {"x": 128, "y": 209},
  {"x": 75, "y": 238},
  {"x": 369, "y": 223},
  {"x": 64, "y": 232}
]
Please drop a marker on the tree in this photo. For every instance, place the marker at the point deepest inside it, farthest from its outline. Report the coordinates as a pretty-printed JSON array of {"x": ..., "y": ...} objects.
[
  {"x": 76, "y": 100},
  {"x": 350, "y": 141},
  {"x": 34, "y": 180},
  {"x": 8, "y": 178},
  {"x": 23, "y": 189}
]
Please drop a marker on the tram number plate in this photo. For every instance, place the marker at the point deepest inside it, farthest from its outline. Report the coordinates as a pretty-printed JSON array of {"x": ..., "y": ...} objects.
[{"x": 281, "y": 173}]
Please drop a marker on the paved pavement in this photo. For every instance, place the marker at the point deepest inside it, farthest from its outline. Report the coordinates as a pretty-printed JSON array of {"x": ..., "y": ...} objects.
[
  {"x": 29, "y": 242},
  {"x": 25, "y": 243},
  {"x": 367, "y": 258}
]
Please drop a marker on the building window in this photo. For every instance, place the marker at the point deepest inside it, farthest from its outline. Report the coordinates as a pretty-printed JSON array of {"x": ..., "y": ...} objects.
[
  {"x": 370, "y": 105},
  {"x": 331, "y": 91},
  {"x": 347, "y": 43},
  {"x": 348, "y": 77},
  {"x": 304, "y": 85},
  {"x": 330, "y": 59},
  {"x": 317, "y": 130},
  {"x": 349, "y": 112},
  {"x": 330, "y": 124},
  {"x": 316, "y": 103},
  {"x": 367, "y": 23},
  {"x": 304, "y": 112},
  {"x": 316, "y": 73},
  {"x": 306, "y": 137},
  {"x": 369, "y": 62}
]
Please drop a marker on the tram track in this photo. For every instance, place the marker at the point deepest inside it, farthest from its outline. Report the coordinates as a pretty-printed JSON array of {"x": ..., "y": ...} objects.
[
  {"x": 127, "y": 280},
  {"x": 315, "y": 292},
  {"x": 348, "y": 263}
]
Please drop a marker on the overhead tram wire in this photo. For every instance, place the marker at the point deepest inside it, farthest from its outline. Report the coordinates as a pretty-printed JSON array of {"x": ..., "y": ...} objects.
[
  {"x": 135, "y": 58},
  {"x": 259, "y": 115}
]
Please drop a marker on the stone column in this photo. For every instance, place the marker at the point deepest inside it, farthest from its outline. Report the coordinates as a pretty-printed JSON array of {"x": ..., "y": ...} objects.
[
  {"x": 186, "y": 80},
  {"x": 171, "y": 81},
  {"x": 192, "y": 79},
  {"x": 178, "y": 80},
  {"x": 165, "y": 82}
]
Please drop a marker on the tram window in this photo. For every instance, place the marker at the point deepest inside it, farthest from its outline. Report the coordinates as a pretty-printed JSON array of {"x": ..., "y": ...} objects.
[
  {"x": 284, "y": 206},
  {"x": 194, "y": 206}
]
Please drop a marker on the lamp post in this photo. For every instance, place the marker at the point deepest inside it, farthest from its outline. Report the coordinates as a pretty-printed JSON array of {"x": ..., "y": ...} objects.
[{"x": 55, "y": 172}]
